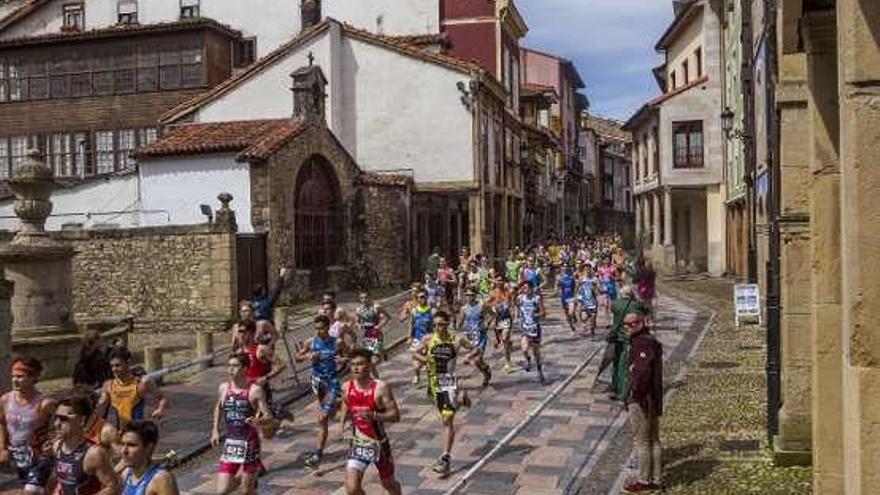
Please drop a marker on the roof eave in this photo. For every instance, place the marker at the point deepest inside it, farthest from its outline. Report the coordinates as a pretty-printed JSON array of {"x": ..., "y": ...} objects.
[{"x": 676, "y": 26}]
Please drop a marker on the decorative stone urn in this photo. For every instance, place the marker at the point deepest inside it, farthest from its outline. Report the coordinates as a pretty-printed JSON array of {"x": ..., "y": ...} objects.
[{"x": 40, "y": 269}]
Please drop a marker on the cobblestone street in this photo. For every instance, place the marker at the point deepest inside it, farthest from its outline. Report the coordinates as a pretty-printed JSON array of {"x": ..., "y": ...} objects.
[{"x": 563, "y": 450}]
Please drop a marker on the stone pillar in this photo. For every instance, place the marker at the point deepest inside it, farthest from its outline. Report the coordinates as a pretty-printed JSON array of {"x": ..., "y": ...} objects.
[
  {"x": 824, "y": 385},
  {"x": 858, "y": 31},
  {"x": 715, "y": 233},
  {"x": 655, "y": 219},
  {"x": 667, "y": 216},
  {"x": 795, "y": 281},
  {"x": 475, "y": 209},
  {"x": 638, "y": 209}
]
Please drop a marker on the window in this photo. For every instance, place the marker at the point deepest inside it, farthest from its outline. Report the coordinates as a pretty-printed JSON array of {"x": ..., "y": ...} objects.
[
  {"x": 74, "y": 17},
  {"x": 687, "y": 144},
  {"x": 148, "y": 69},
  {"x": 4, "y": 88},
  {"x": 127, "y": 12},
  {"x": 245, "y": 52},
  {"x": 698, "y": 61},
  {"x": 4, "y": 158},
  {"x": 18, "y": 82},
  {"x": 18, "y": 146},
  {"x": 104, "y": 152},
  {"x": 685, "y": 73},
  {"x": 191, "y": 66},
  {"x": 169, "y": 68},
  {"x": 147, "y": 136},
  {"x": 123, "y": 72},
  {"x": 126, "y": 145},
  {"x": 189, "y": 9}
]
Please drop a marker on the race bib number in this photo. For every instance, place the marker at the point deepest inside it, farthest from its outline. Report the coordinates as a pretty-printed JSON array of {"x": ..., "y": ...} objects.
[
  {"x": 22, "y": 456},
  {"x": 448, "y": 383},
  {"x": 504, "y": 324},
  {"x": 235, "y": 451},
  {"x": 316, "y": 385},
  {"x": 364, "y": 451},
  {"x": 371, "y": 345}
]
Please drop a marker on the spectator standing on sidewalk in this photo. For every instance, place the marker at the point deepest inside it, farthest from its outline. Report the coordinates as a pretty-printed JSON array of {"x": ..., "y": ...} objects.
[
  {"x": 645, "y": 403},
  {"x": 628, "y": 304}
]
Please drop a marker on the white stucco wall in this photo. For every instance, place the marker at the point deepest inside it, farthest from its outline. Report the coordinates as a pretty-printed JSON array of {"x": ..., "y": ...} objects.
[
  {"x": 397, "y": 16},
  {"x": 180, "y": 184},
  {"x": 408, "y": 114},
  {"x": 93, "y": 202},
  {"x": 267, "y": 95}
]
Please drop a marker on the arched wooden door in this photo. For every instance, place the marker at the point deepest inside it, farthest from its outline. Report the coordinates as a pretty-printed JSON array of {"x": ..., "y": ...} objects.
[{"x": 318, "y": 218}]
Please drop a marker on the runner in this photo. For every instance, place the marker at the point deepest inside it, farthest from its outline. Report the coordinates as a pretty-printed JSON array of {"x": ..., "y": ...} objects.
[
  {"x": 372, "y": 318},
  {"x": 24, "y": 422},
  {"x": 566, "y": 285},
  {"x": 432, "y": 290},
  {"x": 587, "y": 299},
  {"x": 446, "y": 279},
  {"x": 531, "y": 274},
  {"x": 440, "y": 352},
  {"x": 369, "y": 404},
  {"x": 501, "y": 302},
  {"x": 513, "y": 267},
  {"x": 474, "y": 320},
  {"x": 324, "y": 351},
  {"x": 342, "y": 328},
  {"x": 81, "y": 468},
  {"x": 421, "y": 325},
  {"x": 142, "y": 476},
  {"x": 264, "y": 331},
  {"x": 530, "y": 310},
  {"x": 243, "y": 407},
  {"x": 123, "y": 397}
]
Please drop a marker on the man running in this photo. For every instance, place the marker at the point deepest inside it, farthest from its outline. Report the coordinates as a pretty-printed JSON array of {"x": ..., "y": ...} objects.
[
  {"x": 440, "y": 352},
  {"x": 530, "y": 311},
  {"x": 243, "y": 407},
  {"x": 501, "y": 302},
  {"x": 24, "y": 421},
  {"x": 531, "y": 274},
  {"x": 81, "y": 468},
  {"x": 446, "y": 279},
  {"x": 421, "y": 326},
  {"x": 587, "y": 298},
  {"x": 142, "y": 476},
  {"x": 123, "y": 398},
  {"x": 566, "y": 285},
  {"x": 474, "y": 320},
  {"x": 368, "y": 403},
  {"x": 324, "y": 352},
  {"x": 372, "y": 318},
  {"x": 513, "y": 266}
]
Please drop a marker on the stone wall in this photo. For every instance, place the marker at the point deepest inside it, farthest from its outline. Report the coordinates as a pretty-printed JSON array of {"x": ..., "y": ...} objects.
[
  {"x": 168, "y": 278},
  {"x": 387, "y": 232}
]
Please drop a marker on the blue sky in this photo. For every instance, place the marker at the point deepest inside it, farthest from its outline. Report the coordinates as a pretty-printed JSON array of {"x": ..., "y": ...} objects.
[{"x": 610, "y": 41}]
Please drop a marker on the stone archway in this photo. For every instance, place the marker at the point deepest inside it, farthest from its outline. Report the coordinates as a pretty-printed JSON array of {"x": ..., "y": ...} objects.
[{"x": 318, "y": 235}]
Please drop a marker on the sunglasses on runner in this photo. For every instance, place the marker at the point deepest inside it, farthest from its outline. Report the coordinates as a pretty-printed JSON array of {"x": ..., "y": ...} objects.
[{"x": 62, "y": 418}]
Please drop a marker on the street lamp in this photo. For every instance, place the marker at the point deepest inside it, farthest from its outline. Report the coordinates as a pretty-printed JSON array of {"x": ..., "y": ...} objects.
[{"x": 727, "y": 117}]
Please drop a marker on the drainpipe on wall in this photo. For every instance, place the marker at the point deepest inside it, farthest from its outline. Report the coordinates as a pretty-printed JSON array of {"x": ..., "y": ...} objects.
[
  {"x": 748, "y": 89},
  {"x": 774, "y": 263}
]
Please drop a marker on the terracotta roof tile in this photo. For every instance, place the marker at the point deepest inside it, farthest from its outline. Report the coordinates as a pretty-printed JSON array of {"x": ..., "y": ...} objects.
[
  {"x": 254, "y": 139},
  {"x": 421, "y": 40},
  {"x": 121, "y": 30},
  {"x": 607, "y": 128}
]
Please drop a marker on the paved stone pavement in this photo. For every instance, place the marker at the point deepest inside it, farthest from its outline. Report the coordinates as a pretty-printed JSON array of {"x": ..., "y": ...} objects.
[{"x": 555, "y": 454}]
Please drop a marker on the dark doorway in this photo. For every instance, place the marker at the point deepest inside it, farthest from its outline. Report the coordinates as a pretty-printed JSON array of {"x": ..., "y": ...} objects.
[
  {"x": 318, "y": 238},
  {"x": 251, "y": 258}
]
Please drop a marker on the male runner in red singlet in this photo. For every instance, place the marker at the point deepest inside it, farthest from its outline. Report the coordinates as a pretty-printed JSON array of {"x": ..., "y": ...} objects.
[{"x": 369, "y": 404}]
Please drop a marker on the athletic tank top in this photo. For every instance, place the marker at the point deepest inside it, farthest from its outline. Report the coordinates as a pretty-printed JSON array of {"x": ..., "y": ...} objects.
[
  {"x": 368, "y": 318},
  {"x": 257, "y": 368},
  {"x": 22, "y": 420},
  {"x": 530, "y": 275},
  {"x": 324, "y": 360},
  {"x": 126, "y": 400},
  {"x": 528, "y": 308},
  {"x": 587, "y": 291},
  {"x": 566, "y": 285},
  {"x": 70, "y": 472},
  {"x": 358, "y": 402},
  {"x": 441, "y": 355},
  {"x": 237, "y": 409},
  {"x": 473, "y": 318},
  {"x": 422, "y": 322},
  {"x": 139, "y": 488}
]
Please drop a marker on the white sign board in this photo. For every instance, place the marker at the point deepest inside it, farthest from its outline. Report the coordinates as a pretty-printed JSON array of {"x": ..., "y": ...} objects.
[{"x": 747, "y": 302}]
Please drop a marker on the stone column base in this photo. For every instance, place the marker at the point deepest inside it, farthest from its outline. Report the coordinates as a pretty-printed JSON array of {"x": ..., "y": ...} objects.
[{"x": 787, "y": 458}]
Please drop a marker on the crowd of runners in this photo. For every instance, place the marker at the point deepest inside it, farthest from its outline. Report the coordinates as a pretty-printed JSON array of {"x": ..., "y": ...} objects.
[{"x": 102, "y": 439}]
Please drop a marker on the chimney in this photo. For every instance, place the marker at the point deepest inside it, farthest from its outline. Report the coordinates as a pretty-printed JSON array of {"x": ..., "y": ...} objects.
[
  {"x": 309, "y": 93},
  {"x": 310, "y": 13}
]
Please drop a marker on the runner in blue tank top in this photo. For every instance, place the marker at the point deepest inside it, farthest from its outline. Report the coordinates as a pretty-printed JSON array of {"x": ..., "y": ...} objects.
[
  {"x": 566, "y": 285},
  {"x": 530, "y": 310},
  {"x": 421, "y": 319},
  {"x": 586, "y": 299},
  {"x": 325, "y": 353},
  {"x": 141, "y": 475},
  {"x": 473, "y": 321}
]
